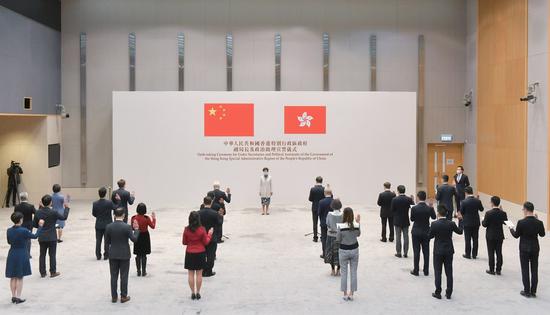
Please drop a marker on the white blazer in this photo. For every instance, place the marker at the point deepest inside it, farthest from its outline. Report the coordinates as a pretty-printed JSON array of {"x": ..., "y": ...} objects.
[{"x": 266, "y": 188}]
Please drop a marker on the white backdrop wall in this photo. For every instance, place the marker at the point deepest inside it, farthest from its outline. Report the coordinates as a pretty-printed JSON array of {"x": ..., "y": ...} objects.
[
  {"x": 397, "y": 23},
  {"x": 157, "y": 137}
]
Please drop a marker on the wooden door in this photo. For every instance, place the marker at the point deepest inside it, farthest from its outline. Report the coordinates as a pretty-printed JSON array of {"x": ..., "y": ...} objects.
[{"x": 443, "y": 158}]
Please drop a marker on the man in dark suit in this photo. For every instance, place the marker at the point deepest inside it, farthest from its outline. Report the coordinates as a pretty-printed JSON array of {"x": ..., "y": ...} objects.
[
  {"x": 28, "y": 211},
  {"x": 469, "y": 213},
  {"x": 219, "y": 198},
  {"x": 324, "y": 209},
  {"x": 102, "y": 210},
  {"x": 493, "y": 221},
  {"x": 117, "y": 235},
  {"x": 446, "y": 194},
  {"x": 316, "y": 193},
  {"x": 384, "y": 201},
  {"x": 48, "y": 238},
  {"x": 420, "y": 215},
  {"x": 461, "y": 182},
  {"x": 527, "y": 230},
  {"x": 442, "y": 230},
  {"x": 400, "y": 209},
  {"x": 124, "y": 198},
  {"x": 210, "y": 219}
]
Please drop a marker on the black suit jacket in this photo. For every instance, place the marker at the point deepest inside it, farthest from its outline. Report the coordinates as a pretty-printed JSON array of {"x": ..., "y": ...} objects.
[
  {"x": 400, "y": 208},
  {"x": 50, "y": 217},
  {"x": 125, "y": 199},
  {"x": 324, "y": 209},
  {"x": 470, "y": 208},
  {"x": 28, "y": 211},
  {"x": 216, "y": 195},
  {"x": 211, "y": 219},
  {"x": 527, "y": 230},
  {"x": 460, "y": 185},
  {"x": 117, "y": 235},
  {"x": 384, "y": 201},
  {"x": 316, "y": 193},
  {"x": 493, "y": 221},
  {"x": 442, "y": 230},
  {"x": 102, "y": 210},
  {"x": 446, "y": 195},
  {"x": 420, "y": 215}
]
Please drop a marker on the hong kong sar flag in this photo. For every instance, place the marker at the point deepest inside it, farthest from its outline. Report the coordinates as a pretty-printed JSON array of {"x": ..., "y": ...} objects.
[
  {"x": 233, "y": 120},
  {"x": 305, "y": 119}
]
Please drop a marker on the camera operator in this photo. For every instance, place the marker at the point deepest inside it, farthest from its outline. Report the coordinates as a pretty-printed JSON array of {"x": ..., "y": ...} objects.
[{"x": 14, "y": 179}]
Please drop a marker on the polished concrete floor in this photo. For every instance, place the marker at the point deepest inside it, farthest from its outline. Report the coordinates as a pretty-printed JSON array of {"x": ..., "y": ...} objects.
[{"x": 268, "y": 266}]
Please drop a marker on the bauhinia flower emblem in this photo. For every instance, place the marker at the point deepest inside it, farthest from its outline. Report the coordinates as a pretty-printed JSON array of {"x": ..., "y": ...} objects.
[{"x": 305, "y": 120}]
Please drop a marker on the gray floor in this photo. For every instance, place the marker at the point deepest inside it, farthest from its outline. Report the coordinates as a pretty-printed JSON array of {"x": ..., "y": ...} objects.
[{"x": 268, "y": 267}]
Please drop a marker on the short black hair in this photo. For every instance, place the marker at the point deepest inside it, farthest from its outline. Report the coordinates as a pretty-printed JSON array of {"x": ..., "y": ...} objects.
[
  {"x": 265, "y": 169},
  {"x": 46, "y": 200},
  {"x": 401, "y": 189},
  {"x": 495, "y": 200},
  {"x": 119, "y": 212},
  {"x": 319, "y": 179},
  {"x": 445, "y": 178},
  {"x": 121, "y": 183},
  {"x": 421, "y": 195},
  {"x": 529, "y": 206},
  {"x": 56, "y": 188},
  {"x": 102, "y": 191},
  {"x": 460, "y": 167},
  {"x": 207, "y": 201},
  {"x": 336, "y": 204},
  {"x": 469, "y": 190},
  {"x": 141, "y": 208},
  {"x": 16, "y": 217},
  {"x": 442, "y": 210},
  {"x": 387, "y": 185}
]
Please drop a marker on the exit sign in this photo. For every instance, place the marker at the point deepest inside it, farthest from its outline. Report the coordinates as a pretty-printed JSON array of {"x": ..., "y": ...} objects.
[{"x": 446, "y": 138}]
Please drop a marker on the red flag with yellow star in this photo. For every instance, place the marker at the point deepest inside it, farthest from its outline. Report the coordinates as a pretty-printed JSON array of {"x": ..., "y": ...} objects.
[{"x": 234, "y": 120}]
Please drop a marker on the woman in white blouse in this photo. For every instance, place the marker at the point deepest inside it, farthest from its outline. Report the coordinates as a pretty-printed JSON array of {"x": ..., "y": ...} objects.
[{"x": 266, "y": 191}]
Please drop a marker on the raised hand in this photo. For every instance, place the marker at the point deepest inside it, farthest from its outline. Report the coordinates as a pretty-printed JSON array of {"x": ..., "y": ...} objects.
[
  {"x": 133, "y": 194},
  {"x": 211, "y": 231},
  {"x": 228, "y": 190},
  {"x": 66, "y": 205},
  {"x": 358, "y": 218},
  {"x": 41, "y": 223},
  {"x": 153, "y": 215}
]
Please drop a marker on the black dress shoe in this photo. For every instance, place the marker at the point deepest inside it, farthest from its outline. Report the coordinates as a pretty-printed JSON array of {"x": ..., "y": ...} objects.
[
  {"x": 19, "y": 301},
  {"x": 322, "y": 256},
  {"x": 405, "y": 256},
  {"x": 105, "y": 257},
  {"x": 193, "y": 296},
  {"x": 467, "y": 257},
  {"x": 209, "y": 274},
  {"x": 474, "y": 257},
  {"x": 315, "y": 240},
  {"x": 383, "y": 240},
  {"x": 448, "y": 296},
  {"x": 98, "y": 258},
  {"x": 437, "y": 296},
  {"x": 221, "y": 241},
  {"x": 114, "y": 300},
  {"x": 414, "y": 273},
  {"x": 498, "y": 273},
  {"x": 391, "y": 240},
  {"x": 490, "y": 272},
  {"x": 533, "y": 294},
  {"x": 398, "y": 255},
  {"x": 198, "y": 296},
  {"x": 43, "y": 276},
  {"x": 426, "y": 273},
  {"x": 525, "y": 294}
]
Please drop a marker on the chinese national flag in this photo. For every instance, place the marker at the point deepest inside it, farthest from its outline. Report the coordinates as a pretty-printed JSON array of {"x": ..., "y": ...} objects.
[
  {"x": 305, "y": 119},
  {"x": 222, "y": 119}
]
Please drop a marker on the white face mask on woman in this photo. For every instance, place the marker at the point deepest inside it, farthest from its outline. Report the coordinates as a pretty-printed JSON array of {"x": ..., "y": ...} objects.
[{"x": 266, "y": 173}]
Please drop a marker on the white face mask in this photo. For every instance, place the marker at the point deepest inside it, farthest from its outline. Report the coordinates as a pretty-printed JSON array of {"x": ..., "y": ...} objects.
[
  {"x": 266, "y": 173},
  {"x": 459, "y": 172}
]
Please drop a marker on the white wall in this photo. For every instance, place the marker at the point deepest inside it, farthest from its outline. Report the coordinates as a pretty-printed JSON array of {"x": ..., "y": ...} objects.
[
  {"x": 397, "y": 23},
  {"x": 158, "y": 136}
]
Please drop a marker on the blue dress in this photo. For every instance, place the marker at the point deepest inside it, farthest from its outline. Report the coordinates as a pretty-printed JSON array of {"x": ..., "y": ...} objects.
[
  {"x": 58, "y": 202},
  {"x": 18, "y": 264}
]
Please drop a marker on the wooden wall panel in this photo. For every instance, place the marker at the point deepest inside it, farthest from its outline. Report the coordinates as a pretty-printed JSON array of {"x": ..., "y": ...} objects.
[{"x": 501, "y": 116}]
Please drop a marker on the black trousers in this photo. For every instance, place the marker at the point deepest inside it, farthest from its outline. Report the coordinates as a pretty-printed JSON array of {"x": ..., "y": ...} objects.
[
  {"x": 119, "y": 266},
  {"x": 447, "y": 262},
  {"x": 12, "y": 191},
  {"x": 526, "y": 259},
  {"x": 315, "y": 218},
  {"x": 471, "y": 236},
  {"x": 421, "y": 242},
  {"x": 324, "y": 232},
  {"x": 494, "y": 247},
  {"x": 389, "y": 220},
  {"x": 99, "y": 235},
  {"x": 210, "y": 257},
  {"x": 51, "y": 249}
]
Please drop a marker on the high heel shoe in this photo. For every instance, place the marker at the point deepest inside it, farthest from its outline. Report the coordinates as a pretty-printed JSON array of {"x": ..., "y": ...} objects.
[
  {"x": 198, "y": 296},
  {"x": 13, "y": 300},
  {"x": 193, "y": 296},
  {"x": 19, "y": 301}
]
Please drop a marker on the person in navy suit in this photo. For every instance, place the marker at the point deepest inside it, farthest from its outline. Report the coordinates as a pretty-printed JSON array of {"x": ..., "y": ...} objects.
[
  {"x": 324, "y": 209},
  {"x": 384, "y": 201},
  {"x": 124, "y": 198},
  {"x": 461, "y": 182},
  {"x": 400, "y": 206},
  {"x": 316, "y": 193},
  {"x": 420, "y": 215},
  {"x": 469, "y": 213},
  {"x": 494, "y": 220},
  {"x": 446, "y": 194}
]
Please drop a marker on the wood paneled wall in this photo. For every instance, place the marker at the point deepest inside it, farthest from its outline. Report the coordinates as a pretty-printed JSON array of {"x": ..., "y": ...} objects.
[{"x": 501, "y": 116}]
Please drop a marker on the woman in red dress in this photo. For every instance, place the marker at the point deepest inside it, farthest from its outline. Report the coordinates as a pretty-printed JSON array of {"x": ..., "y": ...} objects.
[
  {"x": 196, "y": 238},
  {"x": 142, "y": 247}
]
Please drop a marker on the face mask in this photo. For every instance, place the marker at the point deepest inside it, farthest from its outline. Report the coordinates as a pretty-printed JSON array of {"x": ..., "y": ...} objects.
[{"x": 265, "y": 174}]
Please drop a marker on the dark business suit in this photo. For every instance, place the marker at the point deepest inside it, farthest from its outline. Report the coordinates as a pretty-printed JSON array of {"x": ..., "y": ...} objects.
[
  {"x": 384, "y": 201},
  {"x": 125, "y": 200},
  {"x": 442, "y": 230},
  {"x": 217, "y": 205},
  {"x": 460, "y": 184},
  {"x": 28, "y": 211},
  {"x": 48, "y": 238},
  {"x": 420, "y": 215},
  {"x": 102, "y": 210},
  {"x": 117, "y": 235},
  {"x": 493, "y": 221},
  {"x": 527, "y": 231},
  {"x": 446, "y": 194},
  {"x": 324, "y": 209},
  {"x": 400, "y": 208},
  {"x": 316, "y": 193},
  {"x": 470, "y": 208},
  {"x": 210, "y": 219}
]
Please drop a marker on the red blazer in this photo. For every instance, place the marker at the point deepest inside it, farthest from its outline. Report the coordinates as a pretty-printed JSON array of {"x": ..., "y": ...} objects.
[
  {"x": 144, "y": 222},
  {"x": 196, "y": 241}
]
